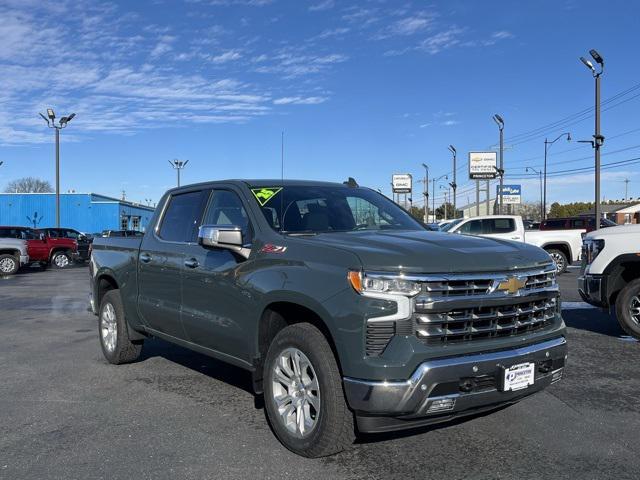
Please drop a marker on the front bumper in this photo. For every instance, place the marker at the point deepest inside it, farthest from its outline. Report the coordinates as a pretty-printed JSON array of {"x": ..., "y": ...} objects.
[
  {"x": 592, "y": 289},
  {"x": 445, "y": 388}
]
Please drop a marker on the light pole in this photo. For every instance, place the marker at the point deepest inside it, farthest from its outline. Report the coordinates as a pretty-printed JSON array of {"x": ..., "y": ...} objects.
[
  {"x": 498, "y": 119},
  {"x": 426, "y": 193},
  {"x": 547, "y": 146},
  {"x": 177, "y": 166},
  {"x": 539, "y": 172},
  {"x": 453, "y": 184},
  {"x": 598, "y": 139},
  {"x": 62, "y": 123},
  {"x": 433, "y": 192},
  {"x": 446, "y": 201}
]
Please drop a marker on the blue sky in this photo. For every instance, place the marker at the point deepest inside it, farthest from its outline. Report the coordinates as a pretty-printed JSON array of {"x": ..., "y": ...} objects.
[{"x": 364, "y": 89}]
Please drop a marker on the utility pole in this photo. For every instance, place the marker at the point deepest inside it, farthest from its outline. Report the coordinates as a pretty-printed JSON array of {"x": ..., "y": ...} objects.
[
  {"x": 453, "y": 184},
  {"x": 124, "y": 195},
  {"x": 433, "y": 192},
  {"x": 626, "y": 187},
  {"x": 598, "y": 139},
  {"x": 426, "y": 193},
  {"x": 177, "y": 166},
  {"x": 498, "y": 119},
  {"x": 62, "y": 123},
  {"x": 541, "y": 194}
]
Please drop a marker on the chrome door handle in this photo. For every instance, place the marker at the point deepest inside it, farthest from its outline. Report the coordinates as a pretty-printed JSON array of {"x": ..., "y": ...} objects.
[
  {"x": 145, "y": 257},
  {"x": 191, "y": 263}
]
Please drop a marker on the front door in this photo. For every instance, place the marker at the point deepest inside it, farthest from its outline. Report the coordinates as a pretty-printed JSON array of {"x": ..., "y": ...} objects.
[
  {"x": 216, "y": 307},
  {"x": 161, "y": 259}
]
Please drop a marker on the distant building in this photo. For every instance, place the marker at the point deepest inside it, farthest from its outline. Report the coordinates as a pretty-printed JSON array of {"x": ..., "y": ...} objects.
[
  {"x": 470, "y": 210},
  {"x": 86, "y": 212},
  {"x": 621, "y": 213}
]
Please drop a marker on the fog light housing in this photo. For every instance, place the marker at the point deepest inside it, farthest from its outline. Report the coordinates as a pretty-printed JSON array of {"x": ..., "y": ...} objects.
[
  {"x": 441, "y": 405},
  {"x": 556, "y": 375}
]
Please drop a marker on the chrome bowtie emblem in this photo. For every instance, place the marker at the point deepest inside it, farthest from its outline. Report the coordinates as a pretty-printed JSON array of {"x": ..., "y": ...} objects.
[{"x": 512, "y": 285}]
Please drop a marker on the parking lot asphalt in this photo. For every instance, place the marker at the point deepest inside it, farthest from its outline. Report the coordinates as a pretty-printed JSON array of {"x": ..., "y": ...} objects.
[{"x": 66, "y": 413}]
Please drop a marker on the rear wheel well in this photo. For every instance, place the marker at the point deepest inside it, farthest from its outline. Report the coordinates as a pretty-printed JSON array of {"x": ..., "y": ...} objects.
[
  {"x": 7, "y": 251},
  {"x": 563, "y": 247},
  {"x": 277, "y": 316},
  {"x": 104, "y": 284}
]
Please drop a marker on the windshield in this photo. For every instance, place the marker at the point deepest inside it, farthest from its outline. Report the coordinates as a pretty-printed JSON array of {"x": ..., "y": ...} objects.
[
  {"x": 321, "y": 209},
  {"x": 450, "y": 225}
]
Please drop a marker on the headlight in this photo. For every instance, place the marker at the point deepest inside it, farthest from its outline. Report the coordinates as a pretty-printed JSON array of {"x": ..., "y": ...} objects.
[
  {"x": 364, "y": 283},
  {"x": 591, "y": 249}
]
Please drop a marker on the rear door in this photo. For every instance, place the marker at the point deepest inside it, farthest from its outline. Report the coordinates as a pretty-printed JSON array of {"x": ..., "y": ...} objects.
[
  {"x": 216, "y": 307},
  {"x": 161, "y": 259}
]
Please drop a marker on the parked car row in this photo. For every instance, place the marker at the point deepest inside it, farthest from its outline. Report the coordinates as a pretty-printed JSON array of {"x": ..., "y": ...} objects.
[{"x": 56, "y": 247}]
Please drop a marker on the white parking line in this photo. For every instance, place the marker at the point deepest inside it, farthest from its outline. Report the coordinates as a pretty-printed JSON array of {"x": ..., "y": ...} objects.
[{"x": 576, "y": 305}]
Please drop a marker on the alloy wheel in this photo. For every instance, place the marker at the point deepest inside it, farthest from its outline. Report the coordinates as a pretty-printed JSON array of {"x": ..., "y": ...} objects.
[
  {"x": 634, "y": 309},
  {"x": 295, "y": 392},
  {"x": 559, "y": 261},
  {"x": 61, "y": 261},
  {"x": 7, "y": 265},
  {"x": 108, "y": 327}
]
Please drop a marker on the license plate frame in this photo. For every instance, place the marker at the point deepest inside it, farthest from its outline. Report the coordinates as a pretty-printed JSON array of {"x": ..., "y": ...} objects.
[{"x": 518, "y": 377}]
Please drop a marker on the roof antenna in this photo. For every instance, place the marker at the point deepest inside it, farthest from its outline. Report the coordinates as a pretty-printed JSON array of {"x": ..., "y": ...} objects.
[
  {"x": 351, "y": 182},
  {"x": 282, "y": 156}
]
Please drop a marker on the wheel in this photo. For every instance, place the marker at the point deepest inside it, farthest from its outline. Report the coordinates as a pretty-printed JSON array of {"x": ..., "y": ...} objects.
[
  {"x": 61, "y": 260},
  {"x": 560, "y": 260},
  {"x": 113, "y": 332},
  {"x": 628, "y": 308},
  {"x": 303, "y": 393},
  {"x": 8, "y": 264}
]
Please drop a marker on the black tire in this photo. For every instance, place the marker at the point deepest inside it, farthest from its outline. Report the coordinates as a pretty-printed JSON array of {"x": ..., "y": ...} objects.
[
  {"x": 123, "y": 350},
  {"x": 560, "y": 259},
  {"x": 333, "y": 431},
  {"x": 9, "y": 264},
  {"x": 629, "y": 298},
  {"x": 61, "y": 259}
]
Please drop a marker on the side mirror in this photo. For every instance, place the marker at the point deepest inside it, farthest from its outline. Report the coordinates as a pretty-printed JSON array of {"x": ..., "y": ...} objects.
[{"x": 223, "y": 236}]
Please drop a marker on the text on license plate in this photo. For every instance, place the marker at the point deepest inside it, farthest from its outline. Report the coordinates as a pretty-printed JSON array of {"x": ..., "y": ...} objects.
[{"x": 519, "y": 376}]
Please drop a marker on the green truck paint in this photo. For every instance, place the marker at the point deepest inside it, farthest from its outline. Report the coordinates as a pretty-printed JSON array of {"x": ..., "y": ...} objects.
[{"x": 437, "y": 349}]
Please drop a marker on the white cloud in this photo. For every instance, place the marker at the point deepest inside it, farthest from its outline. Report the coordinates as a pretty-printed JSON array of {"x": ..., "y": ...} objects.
[
  {"x": 163, "y": 46},
  {"x": 299, "y": 100},
  {"x": 502, "y": 34},
  {"x": 410, "y": 25},
  {"x": 441, "y": 41},
  {"x": 324, "y": 5},
  {"x": 227, "y": 56}
]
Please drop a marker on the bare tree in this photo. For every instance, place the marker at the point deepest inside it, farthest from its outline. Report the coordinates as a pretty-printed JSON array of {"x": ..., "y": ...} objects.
[{"x": 28, "y": 185}]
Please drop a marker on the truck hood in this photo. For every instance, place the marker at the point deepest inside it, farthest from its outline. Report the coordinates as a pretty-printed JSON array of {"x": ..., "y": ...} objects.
[{"x": 434, "y": 252}]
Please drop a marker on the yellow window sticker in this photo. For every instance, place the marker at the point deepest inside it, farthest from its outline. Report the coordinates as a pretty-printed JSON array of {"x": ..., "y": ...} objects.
[{"x": 263, "y": 195}]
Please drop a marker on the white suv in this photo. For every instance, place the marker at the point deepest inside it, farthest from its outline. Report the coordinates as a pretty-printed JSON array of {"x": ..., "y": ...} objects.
[{"x": 611, "y": 273}]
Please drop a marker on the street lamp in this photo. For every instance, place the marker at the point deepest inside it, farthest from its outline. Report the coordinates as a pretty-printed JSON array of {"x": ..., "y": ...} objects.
[
  {"x": 539, "y": 172},
  {"x": 453, "y": 184},
  {"x": 547, "y": 145},
  {"x": 598, "y": 139},
  {"x": 62, "y": 123},
  {"x": 426, "y": 192},
  {"x": 433, "y": 191},
  {"x": 178, "y": 165},
  {"x": 446, "y": 200},
  {"x": 498, "y": 119}
]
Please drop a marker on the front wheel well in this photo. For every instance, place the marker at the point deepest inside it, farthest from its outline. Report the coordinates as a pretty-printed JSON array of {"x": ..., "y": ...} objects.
[
  {"x": 274, "y": 318},
  {"x": 624, "y": 273},
  {"x": 15, "y": 253}
]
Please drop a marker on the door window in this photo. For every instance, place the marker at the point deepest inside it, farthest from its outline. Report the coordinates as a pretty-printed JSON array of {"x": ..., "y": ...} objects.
[
  {"x": 472, "y": 227},
  {"x": 225, "y": 208},
  {"x": 182, "y": 217},
  {"x": 498, "y": 225}
]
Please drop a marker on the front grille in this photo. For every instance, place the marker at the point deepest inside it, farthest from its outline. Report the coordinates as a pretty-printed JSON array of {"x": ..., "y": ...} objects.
[
  {"x": 457, "y": 288},
  {"x": 378, "y": 336},
  {"x": 475, "y": 323}
]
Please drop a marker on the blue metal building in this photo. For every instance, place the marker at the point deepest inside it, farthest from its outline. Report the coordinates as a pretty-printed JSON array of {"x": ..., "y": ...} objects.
[{"x": 86, "y": 212}]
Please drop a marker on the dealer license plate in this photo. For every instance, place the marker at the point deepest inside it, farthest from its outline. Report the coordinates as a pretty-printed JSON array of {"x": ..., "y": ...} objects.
[{"x": 519, "y": 376}]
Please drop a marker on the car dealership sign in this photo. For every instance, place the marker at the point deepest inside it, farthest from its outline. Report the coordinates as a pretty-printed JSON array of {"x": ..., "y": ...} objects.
[
  {"x": 401, "y": 183},
  {"x": 482, "y": 165},
  {"x": 511, "y": 194}
]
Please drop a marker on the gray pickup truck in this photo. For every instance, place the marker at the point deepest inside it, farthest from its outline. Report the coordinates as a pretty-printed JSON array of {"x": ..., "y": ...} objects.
[{"x": 350, "y": 315}]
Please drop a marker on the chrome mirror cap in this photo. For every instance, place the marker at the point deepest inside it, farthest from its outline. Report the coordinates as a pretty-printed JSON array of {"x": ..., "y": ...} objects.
[{"x": 222, "y": 236}]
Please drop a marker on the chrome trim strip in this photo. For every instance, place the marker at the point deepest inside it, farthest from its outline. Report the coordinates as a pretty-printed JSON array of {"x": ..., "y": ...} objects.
[{"x": 446, "y": 277}]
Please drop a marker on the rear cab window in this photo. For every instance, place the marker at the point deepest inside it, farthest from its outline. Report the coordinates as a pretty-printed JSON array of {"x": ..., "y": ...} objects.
[{"x": 182, "y": 216}]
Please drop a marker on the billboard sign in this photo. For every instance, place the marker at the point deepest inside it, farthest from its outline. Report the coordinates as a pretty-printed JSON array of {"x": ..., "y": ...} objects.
[
  {"x": 511, "y": 194},
  {"x": 401, "y": 183},
  {"x": 482, "y": 165}
]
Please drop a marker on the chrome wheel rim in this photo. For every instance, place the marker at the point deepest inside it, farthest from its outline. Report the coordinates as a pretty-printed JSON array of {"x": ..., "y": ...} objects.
[
  {"x": 108, "y": 327},
  {"x": 634, "y": 309},
  {"x": 295, "y": 392},
  {"x": 559, "y": 261},
  {"x": 7, "y": 265},
  {"x": 61, "y": 260}
]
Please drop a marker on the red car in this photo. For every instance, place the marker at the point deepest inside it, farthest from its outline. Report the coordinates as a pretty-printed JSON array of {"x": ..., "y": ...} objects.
[{"x": 43, "y": 248}]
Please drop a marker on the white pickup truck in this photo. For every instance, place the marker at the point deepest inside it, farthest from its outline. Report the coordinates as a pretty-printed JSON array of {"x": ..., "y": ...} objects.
[
  {"x": 610, "y": 276},
  {"x": 564, "y": 246}
]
